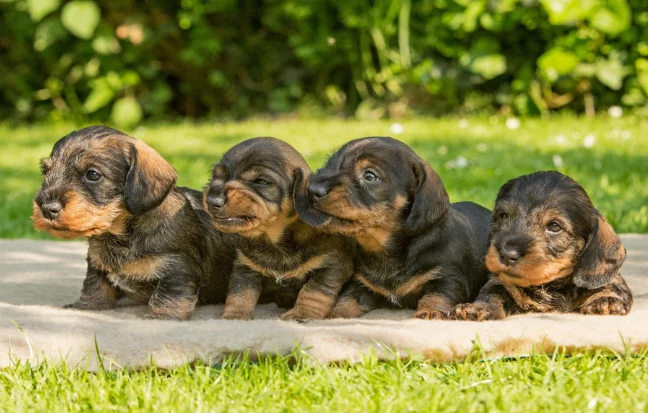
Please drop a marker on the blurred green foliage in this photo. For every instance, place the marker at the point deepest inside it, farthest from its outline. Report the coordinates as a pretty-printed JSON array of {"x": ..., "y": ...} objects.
[{"x": 126, "y": 60}]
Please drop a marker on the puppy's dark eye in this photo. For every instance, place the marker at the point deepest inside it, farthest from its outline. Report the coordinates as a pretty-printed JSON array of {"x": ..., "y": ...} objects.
[
  {"x": 370, "y": 176},
  {"x": 261, "y": 181},
  {"x": 92, "y": 175},
  {"x": 502, "y": 216},
  {"x": 553, "y": 226}
]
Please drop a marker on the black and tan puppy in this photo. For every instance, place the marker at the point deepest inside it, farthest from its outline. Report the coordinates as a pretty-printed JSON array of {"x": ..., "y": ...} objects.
[
  {"x": 417, "y": 250},
  {"x": 251, "y": 194},
  {"x": 148, "y": 239},
  {"x": 550, "y": 251}
]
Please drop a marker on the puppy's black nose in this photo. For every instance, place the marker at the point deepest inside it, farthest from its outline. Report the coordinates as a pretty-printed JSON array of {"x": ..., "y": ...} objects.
[
  {"x": 509, "y": 256},
  {"x": 216, "y": 201},
  {"x": 51, "y": 209},
  {"x": 317, "y": 190}
]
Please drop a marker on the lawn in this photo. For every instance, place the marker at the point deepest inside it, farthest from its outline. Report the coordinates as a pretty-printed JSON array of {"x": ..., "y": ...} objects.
[
  {"x": 585, "y": 382},
  {"x": 474, "y": 157}
]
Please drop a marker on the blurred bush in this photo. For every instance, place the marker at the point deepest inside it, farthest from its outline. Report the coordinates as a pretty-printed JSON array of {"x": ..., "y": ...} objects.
[{"x": 127, "y": 60}]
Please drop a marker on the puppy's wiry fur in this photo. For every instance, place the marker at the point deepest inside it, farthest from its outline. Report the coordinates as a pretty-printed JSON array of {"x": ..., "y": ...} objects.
[
  {"x": 279, "y": 257},
  {"x": 550, "y": 251},
  {"x": 148, "y": 239},
  {"x": 416, "y": 249}
]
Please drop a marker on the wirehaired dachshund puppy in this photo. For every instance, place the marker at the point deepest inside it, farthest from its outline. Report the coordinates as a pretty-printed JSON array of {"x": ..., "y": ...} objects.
[
  {"x": 148, "y": 239},
  {"x": 251, "y": 194},
  {"x": 416, "y": 249},
  {"x": 550, "y": 251}
]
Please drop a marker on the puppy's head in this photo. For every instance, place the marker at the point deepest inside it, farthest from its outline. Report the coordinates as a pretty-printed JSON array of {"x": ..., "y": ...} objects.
[
  {"x": 251, "y": 190},
  {"x": 96, "y": 177},
  {"x": 371, "y": 182},
  {"x": 544, "y": 228}
]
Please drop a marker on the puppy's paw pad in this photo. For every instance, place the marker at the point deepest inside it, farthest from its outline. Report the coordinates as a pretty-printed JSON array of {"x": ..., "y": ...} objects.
[
  {"x": 430, "y": 315},
  {"x": 150, "y": 315},
  {"x": 606, "y": 306},
  {"x": 293, "y": 315},
  {"x": 473, "y": 312},
  {"x": 235, "y": 316}
]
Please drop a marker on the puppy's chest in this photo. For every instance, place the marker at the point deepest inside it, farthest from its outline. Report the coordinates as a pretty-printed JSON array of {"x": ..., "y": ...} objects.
[
  {"x": 561, "y": 297},
  {"x": 390, "y": 278},
  {"x": 116, "y": 256},
  {"x": 281, "y": 263}
]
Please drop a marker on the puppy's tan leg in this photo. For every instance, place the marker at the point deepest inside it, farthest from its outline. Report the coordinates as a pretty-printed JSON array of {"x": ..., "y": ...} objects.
[
  {"x": 97, "y": 293},
  {"x": 319, "y": 294},
  {"x": 434, "y": 306},
  {"x": 612, "y": 299},
  {"x": 354, "y": 301},
  {"x": 243, "y": 293},
  {"x": 493, "y": 303},
  {"x": 175, "y": 296}
]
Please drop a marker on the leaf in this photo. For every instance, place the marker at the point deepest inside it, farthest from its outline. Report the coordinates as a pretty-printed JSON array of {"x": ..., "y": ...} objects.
[
  {"x": 642, "y": 73},
  {"x": 489, "y": 66},
  {"x": 47, "y": 33},
  {"x": 568, "y": 11},
  {"x": 41, "y": 8},
  {"x": 610, "y": 72},
  {"x": 106, "y": 44},
  {"x": 612, "y": 18},
  {"x": 100, "y": 96},
  {"x": 557, "y": 62},
  {"x": 126, "y": 113},
  {"x": 81, "y": 18}
]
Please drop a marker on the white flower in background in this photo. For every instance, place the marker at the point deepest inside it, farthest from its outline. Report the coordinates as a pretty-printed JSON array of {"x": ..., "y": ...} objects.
[
  {"x": 397, "y": 128},
  {"x": 626, "y": 134},
  {"x": 589, "y": 141},
  {"x": 482, "y": 147},
  {"x": 512, "y": 123},
  {"x": 558, "y": 161},
  {"x": 463, "y": 123},
  {"x": 459, "y": 163},
  {"x": 615, "y": 111},
  {"x": 442, "y": 150},
  {"x": 560, "y": 139},
  {"x": 331, "y": 41}
]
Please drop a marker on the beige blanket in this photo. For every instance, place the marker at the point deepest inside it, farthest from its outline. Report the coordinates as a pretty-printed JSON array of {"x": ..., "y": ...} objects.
[{"x": 37, "y": 278}]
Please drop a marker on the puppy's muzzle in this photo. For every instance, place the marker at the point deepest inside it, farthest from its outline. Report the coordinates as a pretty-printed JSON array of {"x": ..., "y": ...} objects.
[
  {"x": 512, "y": 249},
  {"x": 51, "y": 210},
  {"x": 216, "y": 201},
  {"x": 317, "y": 191}
]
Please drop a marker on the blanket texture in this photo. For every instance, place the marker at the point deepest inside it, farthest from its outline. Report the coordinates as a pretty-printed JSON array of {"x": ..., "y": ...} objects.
[{"x": 38, "y": 277}]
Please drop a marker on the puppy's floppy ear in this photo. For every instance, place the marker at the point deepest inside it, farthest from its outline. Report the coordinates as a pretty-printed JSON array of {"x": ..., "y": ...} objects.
[
  {"x": 431, "y": 200},
  {"x": 602, "y": 257},
  {"x": 149, "y": 179}
]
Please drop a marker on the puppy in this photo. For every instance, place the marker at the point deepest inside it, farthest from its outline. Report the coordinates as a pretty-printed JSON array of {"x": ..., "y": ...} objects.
[
  {"x": 416, "y": 249},
  {"x": 148, "y": 239},
  {"x": 550, "y": 251},
  {"x": 251, "y": 194}
]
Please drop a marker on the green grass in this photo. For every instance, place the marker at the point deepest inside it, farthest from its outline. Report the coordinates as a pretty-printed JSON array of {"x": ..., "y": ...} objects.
[
  {"x": 585, "y": 382},
  {"x": 614, "y": 170}
]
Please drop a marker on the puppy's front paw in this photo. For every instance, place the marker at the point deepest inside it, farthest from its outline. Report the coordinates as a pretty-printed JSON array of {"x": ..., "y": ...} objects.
[
  {"x": 235, "y": 315},
  {"x": 605, "y": 306},
  {"x": 430, "y": 315},
  {"x": 296, "y": 315},
  {"x": 90, "y": 306},
  {"x": 152, "y": 315},
  {"x": 475, "y": 312}
]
